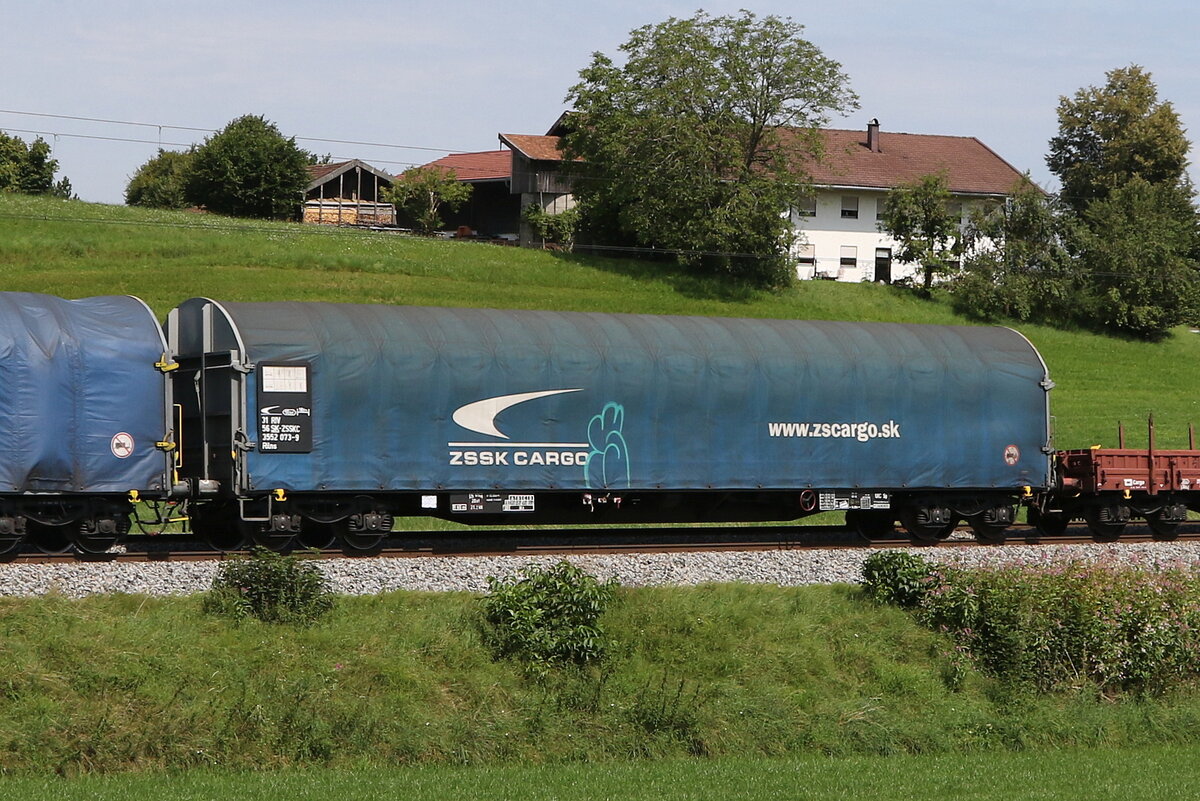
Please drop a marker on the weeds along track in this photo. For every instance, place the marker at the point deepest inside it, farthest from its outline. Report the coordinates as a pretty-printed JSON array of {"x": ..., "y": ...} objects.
[{"x": 566, "y": 542}]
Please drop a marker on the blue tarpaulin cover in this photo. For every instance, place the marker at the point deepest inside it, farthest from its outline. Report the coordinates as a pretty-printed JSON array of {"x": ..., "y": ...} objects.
[
  {"x": 409, "y": 398},
  {"x": 81, "y": 403}
]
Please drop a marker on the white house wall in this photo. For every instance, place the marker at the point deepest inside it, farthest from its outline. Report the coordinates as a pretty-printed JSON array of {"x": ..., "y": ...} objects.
[{"x": 829, "y": 232}]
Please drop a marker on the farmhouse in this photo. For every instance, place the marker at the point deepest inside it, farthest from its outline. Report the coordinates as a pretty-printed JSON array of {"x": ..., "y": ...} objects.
[
  {"x": 841, "y": 238},
  {"x": 838, "y": 223}
]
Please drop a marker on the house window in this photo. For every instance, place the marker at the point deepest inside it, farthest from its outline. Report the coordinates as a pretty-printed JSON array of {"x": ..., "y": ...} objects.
[
  {"x": 807, "y": 256},
  {"x": 955, "y": 209},
  {"x": 850, "y": 207},
  {"x": 880, "y": 205},
  {"x": 849, "y": 256},
  {"x": 807, "y": 206}
]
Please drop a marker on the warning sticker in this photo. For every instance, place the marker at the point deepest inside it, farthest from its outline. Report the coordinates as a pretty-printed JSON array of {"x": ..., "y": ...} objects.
[
  {"x": 121, "y": 445},
  {"x": 1012, "y": 455}
]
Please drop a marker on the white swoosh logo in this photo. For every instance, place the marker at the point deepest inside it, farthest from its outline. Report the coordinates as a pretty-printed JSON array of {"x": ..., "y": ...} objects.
[{"x": 480, "y": 416}]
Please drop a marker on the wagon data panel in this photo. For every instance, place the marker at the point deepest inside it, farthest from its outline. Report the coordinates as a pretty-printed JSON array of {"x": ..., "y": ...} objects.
[{"x": 285, "y": 408}]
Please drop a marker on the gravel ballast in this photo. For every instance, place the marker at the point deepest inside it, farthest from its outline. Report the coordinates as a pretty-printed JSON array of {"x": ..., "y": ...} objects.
[{"x": 364, "y": 576}]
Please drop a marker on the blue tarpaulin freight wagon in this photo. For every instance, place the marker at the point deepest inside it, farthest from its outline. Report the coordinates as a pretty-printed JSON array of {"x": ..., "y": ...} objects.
[
  {"x": 82, "y": 405},
  {"x": 83, "y": 409},
  {"x": 439, "y": 401}
]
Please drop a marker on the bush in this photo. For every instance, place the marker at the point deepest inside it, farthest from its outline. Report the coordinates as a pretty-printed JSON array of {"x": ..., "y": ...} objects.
[
  {"x": 248, "y": 169},
  {"x": 548, "y": 616},
  {"x": 550, "y": 227},
  {"x": 896, "y": 577},
  {"x": 271, "y": 587},
  {"x": 158, "y": 184},
  {"x": 1069, "y": 626}
]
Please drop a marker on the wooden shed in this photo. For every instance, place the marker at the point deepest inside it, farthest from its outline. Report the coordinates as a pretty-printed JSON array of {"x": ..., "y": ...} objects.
[{"x": 347, "y": 193}]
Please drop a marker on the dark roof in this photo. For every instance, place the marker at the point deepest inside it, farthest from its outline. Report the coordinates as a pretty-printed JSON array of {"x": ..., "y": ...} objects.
[
  {"x": 318, "y": 172},
  {"x": 533, "y": 147},
  {"x": 489, "y": 165},
  {"x": 970, "y": 165},
  {"x": 322, "y": 173}
]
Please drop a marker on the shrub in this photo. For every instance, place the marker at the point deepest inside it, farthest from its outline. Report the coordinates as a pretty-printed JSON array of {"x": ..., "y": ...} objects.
[
  {"x": 420, "y": 194},
  {"x": 248, "y": 169},
  {"x": 548, "y": 616},
  {"x": 158, "y": 184},
  {"x": 271, "y": 587},
  {"x": 557, "y": 228},
  {"x": 1116, "y": 628},
  {"x": 896, "y": 577}
]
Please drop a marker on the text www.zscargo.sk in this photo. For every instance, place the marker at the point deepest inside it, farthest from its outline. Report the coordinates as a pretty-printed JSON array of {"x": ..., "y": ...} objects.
[{"x": 859, "y": 431}]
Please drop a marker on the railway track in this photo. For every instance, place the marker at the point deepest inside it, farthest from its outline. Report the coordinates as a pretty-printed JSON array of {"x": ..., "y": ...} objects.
[{"x": 561, "y": 542}]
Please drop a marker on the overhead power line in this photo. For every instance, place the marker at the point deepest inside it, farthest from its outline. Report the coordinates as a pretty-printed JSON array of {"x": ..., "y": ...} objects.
[
  {"x": 462, "y": 171},
  {"x": 166, "y": 126}
]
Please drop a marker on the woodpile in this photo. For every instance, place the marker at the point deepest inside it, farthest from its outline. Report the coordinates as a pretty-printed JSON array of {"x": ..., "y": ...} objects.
[{"x": 338, "y": 211}]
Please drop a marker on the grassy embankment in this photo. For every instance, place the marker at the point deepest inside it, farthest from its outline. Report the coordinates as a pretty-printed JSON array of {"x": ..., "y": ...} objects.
[{"x": 125, "y": 683}]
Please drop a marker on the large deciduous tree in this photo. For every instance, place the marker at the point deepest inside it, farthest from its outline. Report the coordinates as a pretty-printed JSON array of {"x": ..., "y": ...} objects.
[
  {"x": 1139, "y": 247},
  {"x": 248, "y": 169},
  {"x": 159, "y": 182},
  {"x": 1121, "y": 155},
  {"x": 698, "y": 143},
  {"x": 1109, "y": 135}
]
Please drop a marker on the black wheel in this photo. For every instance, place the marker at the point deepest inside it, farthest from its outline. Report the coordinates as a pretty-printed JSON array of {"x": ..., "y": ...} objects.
[
  {"x": 97, "y": 535},
  {"x": 362, "y": 540},
  {"x": 278, "y": 541},
  {"x": 988, "y": 533},
  {"x": 872, "y": 524},
  {"x": 366, "y": 529},
  {"x": 1048, "y": 524},
  {"x": 922, "y": 530},
  {"x": 1162, "y": 530},
  {"x": 1102, "y": 526},
  {"x": 47, "y": 538},
  {"x": 217, "y": 525},
  {"x": 319, "y": 535},
  {"x": 94, "y": 543},
  {"x": 10, "y": 544}
]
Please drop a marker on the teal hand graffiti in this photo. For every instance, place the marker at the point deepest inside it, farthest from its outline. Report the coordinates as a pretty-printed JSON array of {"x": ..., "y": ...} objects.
[{"x": 608, "y": 463}]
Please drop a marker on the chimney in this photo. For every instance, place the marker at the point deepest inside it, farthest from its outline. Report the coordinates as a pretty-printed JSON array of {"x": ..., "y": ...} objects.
[{"x": 873, "y": 136}]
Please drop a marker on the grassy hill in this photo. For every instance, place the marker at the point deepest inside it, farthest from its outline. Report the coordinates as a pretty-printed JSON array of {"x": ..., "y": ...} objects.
[
  {"x": 128, "y": 683},
  {"x": 77, "y": 249}
]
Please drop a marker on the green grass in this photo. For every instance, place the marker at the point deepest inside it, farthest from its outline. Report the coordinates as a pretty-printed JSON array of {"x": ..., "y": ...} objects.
[
  {"x": 77, "y": 249},
  {"x": 1136, "y": 775},
  {"x": 125, "y": 683}
]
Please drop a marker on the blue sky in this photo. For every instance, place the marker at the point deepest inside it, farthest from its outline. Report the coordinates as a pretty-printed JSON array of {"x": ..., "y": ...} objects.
[{"x": 451, "y": 75}]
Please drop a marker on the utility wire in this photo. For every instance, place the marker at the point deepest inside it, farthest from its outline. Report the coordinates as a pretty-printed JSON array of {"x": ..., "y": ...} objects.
[
  {"x": 460, "y": 171},
  {"x": 164, "y": 126}
]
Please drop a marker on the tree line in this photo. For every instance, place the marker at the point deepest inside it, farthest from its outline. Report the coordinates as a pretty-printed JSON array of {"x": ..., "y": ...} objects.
[{"x": 1116, "y": 249}]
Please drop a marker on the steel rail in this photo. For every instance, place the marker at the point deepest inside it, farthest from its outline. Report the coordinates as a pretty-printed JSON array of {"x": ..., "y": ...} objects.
[{"x": 562, "y": 542}]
